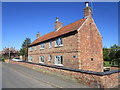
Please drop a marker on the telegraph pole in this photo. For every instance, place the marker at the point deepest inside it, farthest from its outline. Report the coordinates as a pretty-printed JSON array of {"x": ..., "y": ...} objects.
[{"x": 9, "y": 56}]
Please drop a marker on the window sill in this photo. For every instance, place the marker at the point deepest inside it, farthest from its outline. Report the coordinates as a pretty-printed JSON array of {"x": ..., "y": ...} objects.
[
  {"x": 49, "y": 60},
  {"x": 59, "y": 64},
  {"x": 41, "y": 48},
  {"x": 41, "y": 62},
  {"x": 29, "y": 61},
  {"x": 58, "y": 46}
]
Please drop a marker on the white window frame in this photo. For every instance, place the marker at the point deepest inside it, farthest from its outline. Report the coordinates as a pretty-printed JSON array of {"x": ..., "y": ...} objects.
[
  {"x": 41, "y": 57},
  {"x": 42, "y": 45},
  {"x": 59, "y": 42},
  {"x": 50, "y": 58},
  {"x": 59, "y": 62},
  {"x": 50, "y": 44},
  {"x": 30, "y": 49},
  {"x": 35, "y": 48},
  {"x": 29, "y": 58}
]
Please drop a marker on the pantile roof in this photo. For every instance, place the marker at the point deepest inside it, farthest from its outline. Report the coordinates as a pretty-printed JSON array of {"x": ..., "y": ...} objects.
[{"x": 64, "y": 30}]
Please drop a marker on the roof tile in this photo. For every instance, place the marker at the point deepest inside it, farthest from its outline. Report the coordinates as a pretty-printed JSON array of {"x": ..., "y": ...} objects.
[{"x": 64, "y": 30}]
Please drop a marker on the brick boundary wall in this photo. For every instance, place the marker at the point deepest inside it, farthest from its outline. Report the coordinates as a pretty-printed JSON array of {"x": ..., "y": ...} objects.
[{"x": 91, "y": 79}]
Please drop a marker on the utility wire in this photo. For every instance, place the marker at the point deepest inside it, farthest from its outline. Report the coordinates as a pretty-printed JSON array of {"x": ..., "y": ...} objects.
[{"x": 92, "y": 6}]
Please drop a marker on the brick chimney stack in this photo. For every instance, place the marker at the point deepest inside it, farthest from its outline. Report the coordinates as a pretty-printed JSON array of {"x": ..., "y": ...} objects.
[
  {"x": 58, "y": 24},
  {"x": 87, "y": 11},
  {"x": 38, "y": 35}
]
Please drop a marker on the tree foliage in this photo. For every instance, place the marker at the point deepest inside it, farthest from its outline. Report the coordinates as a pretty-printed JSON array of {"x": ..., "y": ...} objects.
[
  {"x": 106, "y": 54},
  {"x": 117, "y": 55},
  {"x": 112, "y": 54},
  {"x": 24, "y": 49}
]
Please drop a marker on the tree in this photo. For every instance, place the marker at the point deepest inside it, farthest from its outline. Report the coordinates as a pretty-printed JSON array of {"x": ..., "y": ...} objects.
[
  {"x": 115, "y": 54},
  {"x": 112, "y": 54},
  {"x": 24, "y": 49},
  {"x": 26, "y": 43},
  {"x": 106, "y": 52},
  {"x": 12, "y": 51},
  {"x": 115, "y": 47},
  {"x": 22, "y": 52}
]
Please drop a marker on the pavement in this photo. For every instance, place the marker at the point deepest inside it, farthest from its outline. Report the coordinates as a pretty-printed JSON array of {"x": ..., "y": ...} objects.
[{"x": 17, "y": 76}]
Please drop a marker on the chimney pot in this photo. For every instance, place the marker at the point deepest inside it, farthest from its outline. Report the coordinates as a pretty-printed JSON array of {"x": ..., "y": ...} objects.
[
  {"x": 86, "y": 3},
  {"x": 38, "y": 35},
  {"x": 57, "y": 19}
]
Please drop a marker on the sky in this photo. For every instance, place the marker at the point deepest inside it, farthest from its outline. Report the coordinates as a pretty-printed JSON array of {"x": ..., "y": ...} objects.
[{"x": 21, "y": 20}]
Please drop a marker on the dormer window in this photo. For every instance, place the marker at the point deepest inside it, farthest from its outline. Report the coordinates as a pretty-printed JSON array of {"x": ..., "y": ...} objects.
[
  {"x": 59, "y": 42},
  {"x": 41, "y": 45}
]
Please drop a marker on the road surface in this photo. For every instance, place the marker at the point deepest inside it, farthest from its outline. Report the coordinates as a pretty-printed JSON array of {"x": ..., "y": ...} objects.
[{"x": 16, "y": 76}]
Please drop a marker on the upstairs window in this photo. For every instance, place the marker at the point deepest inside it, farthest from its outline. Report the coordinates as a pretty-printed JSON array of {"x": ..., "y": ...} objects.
[
  {"x": 59, "y": 42},
  {"x": 59, "y": 60},
  {"x": 41, "y": 59},
  {"x": 30, "y": 49},
  {"x": 50, "y": 44},
  {"x": 42, "y": 46},
  {"x": 35, "y": 48},
  {"x": 29, "y": 58}
]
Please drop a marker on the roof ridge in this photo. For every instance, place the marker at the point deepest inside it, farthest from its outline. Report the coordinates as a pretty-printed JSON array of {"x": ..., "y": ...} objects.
[
  {"x": 62, "y": 27},
  {"x": 73, "y": 22}
]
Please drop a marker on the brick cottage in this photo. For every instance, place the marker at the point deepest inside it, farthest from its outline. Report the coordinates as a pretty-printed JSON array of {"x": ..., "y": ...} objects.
[{"x": 77, "y": 45}]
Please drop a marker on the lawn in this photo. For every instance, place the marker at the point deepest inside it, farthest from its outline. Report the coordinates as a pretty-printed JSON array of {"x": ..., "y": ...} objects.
[{"x": 108, "y": 64}]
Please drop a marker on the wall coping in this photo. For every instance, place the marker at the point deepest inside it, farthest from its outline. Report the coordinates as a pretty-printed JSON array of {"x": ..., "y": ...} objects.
[{"x": 76, "y": 70}]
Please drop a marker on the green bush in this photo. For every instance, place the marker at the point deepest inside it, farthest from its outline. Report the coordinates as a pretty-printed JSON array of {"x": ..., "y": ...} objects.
[{"x": 3, "y": 60}]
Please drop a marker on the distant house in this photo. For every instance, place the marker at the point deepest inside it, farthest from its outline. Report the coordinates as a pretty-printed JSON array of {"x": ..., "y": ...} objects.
[{"x": 77, "y": 45}]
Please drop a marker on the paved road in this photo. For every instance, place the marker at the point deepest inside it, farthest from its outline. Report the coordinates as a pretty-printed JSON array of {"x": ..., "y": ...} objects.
[{"x": 16, "y": 76}]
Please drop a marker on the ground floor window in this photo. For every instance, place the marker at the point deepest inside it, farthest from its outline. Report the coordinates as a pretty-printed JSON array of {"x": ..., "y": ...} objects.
[
  {"x": 41, "y": 59},
  {"x": 59, "y": 60},
  {"x": 50, "y": 58},
  {"x": 29, "y": 58}
]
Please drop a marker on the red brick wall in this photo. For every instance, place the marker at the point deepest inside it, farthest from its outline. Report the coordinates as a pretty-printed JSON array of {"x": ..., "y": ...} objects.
[
  {"x": 85, "y": 45},
  {"x": 94, "y": 81},
  {"x": 90, "y": 46},
  {"x": 68, "y": 50},
  {"x": 58, "y": 25},
  {"x": 87, "y": 11}
]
